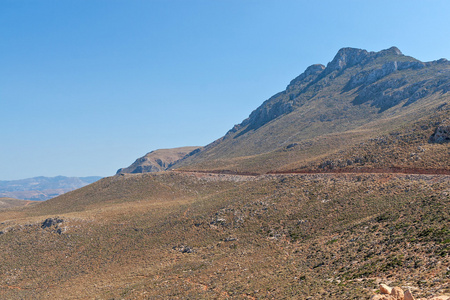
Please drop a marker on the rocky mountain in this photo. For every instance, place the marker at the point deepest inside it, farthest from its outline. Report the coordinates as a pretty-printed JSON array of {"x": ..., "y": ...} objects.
[
  {"x": 330, "y": 188},
  {"x": 359, "y": 95},
  {"x": 159, "y": 160},
  {"x": 43, "y": 188}
]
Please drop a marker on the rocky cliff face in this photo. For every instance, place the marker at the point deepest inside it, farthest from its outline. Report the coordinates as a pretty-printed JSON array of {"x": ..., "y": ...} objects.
[
  {"x": 356, "y": 89},
  {"x": 367, "y": 77},
  {"x": 279, "y": 104},
  {"x": 349, "y": 57}
]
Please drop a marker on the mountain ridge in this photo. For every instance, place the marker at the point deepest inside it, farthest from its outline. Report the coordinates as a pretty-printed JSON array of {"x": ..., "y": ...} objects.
[{"x": 357, "y": 91}]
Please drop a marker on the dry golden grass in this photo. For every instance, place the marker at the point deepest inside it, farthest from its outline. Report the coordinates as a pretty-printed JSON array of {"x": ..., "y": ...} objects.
[
  {"x": 271, "y": 236},
  {"x": 6, "y": 203}
]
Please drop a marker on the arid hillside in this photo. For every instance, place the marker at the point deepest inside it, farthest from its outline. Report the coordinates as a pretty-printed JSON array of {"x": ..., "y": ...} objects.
[
  {"x": 6, "y": 203},
  {"x": 211, "y": 236}
]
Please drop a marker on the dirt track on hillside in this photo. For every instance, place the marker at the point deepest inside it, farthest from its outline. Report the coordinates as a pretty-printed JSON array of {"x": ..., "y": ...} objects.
[{"x": 392, "y": 170}]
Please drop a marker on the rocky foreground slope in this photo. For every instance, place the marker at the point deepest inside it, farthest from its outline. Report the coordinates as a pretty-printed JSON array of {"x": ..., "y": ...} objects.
[{"x": 209, "y": 236}]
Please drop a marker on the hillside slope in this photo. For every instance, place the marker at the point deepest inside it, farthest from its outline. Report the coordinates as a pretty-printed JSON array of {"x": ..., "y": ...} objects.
[
  {"x": 6, "y": 203},
  {"x": 204, "y": 236},
  {"x": 359, "y": 95},
  {"x": 158, "y": 160}
]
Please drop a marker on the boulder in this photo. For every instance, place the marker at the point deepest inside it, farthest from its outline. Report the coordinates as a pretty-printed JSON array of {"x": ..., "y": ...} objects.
[
  {"x": 384, "y": 289},
  {"x": 183, "y": 249},
  {"x": 51, "y": 222},
  {"x": 442, "y": 133},
  {"x": 397, "y": 293},
  {"x": 408, "y": 295}
]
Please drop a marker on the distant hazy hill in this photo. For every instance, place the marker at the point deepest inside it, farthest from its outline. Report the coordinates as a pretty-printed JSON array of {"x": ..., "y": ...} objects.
[
  {"x": 358, "y": 96},
  {"x": 159, "y": 160},
  {"x": 43, "y": 188}
]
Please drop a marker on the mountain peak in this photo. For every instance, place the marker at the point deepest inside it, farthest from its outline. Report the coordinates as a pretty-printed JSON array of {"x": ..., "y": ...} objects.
[
  {"x": 391, "y": 51},
  {"x": 348, "y": 57}
]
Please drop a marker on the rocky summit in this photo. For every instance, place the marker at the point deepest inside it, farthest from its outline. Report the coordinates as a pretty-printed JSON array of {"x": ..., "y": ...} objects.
[{"x": 159, "y": 160}]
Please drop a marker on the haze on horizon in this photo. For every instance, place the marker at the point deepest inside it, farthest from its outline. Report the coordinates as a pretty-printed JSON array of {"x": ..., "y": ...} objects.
[{"x": 86, "y": 87}]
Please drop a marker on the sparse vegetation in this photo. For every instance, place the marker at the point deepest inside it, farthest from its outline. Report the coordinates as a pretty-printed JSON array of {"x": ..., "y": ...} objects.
[
  {"x": 267, "y": 236},
  {"x": 372, "y": 204}
]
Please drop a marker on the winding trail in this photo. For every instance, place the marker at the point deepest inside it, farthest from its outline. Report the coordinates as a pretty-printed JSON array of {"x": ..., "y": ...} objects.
[{"x": 389, "y": 170}]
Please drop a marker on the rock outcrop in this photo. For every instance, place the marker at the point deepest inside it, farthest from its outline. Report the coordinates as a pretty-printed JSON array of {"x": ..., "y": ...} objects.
[
  {"x": 49, "y": 222},
  {"x": 397, "y": 293},
  {"x": 159, "y": 160},
  {"x": 349, "y": 57},
  {"x": 442, "y": 133}
]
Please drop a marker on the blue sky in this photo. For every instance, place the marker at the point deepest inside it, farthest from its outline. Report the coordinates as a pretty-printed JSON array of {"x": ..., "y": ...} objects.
[{"x": 88, "y": 86}]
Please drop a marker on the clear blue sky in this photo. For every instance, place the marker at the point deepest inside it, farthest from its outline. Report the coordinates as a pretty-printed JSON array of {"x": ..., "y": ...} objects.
[{"x": 88, "y": 86}]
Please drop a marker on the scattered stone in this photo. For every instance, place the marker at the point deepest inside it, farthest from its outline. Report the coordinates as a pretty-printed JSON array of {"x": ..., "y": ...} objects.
[
  {"x": 183, "y": 249},
  {"x": 230, "y": 239},
  {"x": 51, "y": 222},
  {"x": 396, "y": 293},
  {"x": 291, "y": 145},
  {"x": 408, "y": 295},
  {"x": 384, "y": 289}
]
